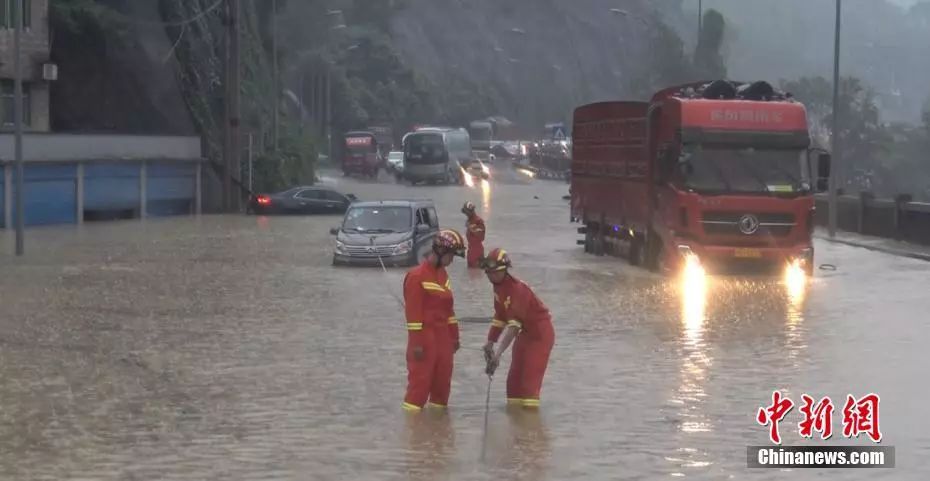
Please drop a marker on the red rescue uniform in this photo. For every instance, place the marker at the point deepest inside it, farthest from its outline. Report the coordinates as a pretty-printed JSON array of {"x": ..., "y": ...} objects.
[
  {"x": 474, "y": 233},
  {"x": 515, "y": 304},
  {"x": 431, "y": 325}
]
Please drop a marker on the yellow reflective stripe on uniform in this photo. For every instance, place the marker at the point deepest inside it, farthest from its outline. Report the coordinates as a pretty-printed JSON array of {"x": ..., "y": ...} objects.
[
  {"x": 432, "y": 286},
  {"x": 501, "y": 254},
  {"x": 453, "y": 320},
  {"x": 414, "y": 326},
  {"x": 449, "y": 284},
  {"x": 515, "y": 323},
  {"x": 410, "y": 407},
  {"x": 531, "y": 403},
  {"x": 514, "y": 400},
  {"x": 497, "y": 323},
  {"x": 435, "y": 405}
]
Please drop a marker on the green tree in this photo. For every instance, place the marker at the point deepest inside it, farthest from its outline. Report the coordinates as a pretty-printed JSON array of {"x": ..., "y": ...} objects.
[
  {"x": 892, "y": 158},
  {"x": 708, "y": 59}
]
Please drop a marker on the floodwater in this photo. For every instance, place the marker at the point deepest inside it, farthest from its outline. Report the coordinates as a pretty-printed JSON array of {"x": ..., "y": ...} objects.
[{"x": 228, "y": 347}]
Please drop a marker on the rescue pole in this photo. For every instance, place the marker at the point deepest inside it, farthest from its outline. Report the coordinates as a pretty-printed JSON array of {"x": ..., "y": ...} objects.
[
  {"x": 384, "y": 270},
  {"x": 487, "y": 407}
]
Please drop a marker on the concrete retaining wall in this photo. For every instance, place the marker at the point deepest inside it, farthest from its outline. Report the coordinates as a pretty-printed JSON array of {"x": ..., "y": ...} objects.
[{"x": 889, "y": 218}]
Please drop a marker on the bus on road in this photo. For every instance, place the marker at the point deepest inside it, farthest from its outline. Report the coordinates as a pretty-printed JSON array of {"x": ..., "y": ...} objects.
[{"x": 436, "y": 154}]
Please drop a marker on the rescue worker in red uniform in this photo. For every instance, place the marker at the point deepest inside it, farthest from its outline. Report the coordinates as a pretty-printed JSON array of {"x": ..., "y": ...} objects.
[
  {"x": 520, "y": 315},
  {"x": 474, "y": 233},
  {"x": 432, "y": 328}
]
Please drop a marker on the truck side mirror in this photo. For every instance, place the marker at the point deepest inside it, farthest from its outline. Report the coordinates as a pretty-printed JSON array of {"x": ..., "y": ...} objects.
[{"x": 823, "y": 172}]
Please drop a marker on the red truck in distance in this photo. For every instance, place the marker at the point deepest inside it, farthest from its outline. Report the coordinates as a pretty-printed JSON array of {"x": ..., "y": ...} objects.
[
  {"x": 719, "y": 172},
  {"x": 361, "y": 154}
]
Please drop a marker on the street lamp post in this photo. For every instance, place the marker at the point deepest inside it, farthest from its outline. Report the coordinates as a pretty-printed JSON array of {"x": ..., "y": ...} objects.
[
  {"x": 835, "y": 137},
  {"x": 18, "y": 122},
  {"x": 700, "y": 19}
]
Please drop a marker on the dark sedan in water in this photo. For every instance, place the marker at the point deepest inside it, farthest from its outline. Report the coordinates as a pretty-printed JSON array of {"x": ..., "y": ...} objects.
[{"x": 301, "y": 200}]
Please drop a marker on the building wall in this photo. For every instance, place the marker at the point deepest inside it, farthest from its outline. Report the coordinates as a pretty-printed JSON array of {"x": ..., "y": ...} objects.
[
  {"x": 39, "y": 105},
  {"x": 34, "y": 48},
  {"x": 70, "y": 192}
]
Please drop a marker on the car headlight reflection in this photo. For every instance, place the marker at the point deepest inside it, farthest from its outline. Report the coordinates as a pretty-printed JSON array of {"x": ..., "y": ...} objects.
[{"x": 340, "y": 247}]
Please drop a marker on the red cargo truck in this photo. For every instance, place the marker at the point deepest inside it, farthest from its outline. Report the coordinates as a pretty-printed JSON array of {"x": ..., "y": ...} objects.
[
  {"x": 722, "y": 173},
  {"x": 361, "y": 154}
]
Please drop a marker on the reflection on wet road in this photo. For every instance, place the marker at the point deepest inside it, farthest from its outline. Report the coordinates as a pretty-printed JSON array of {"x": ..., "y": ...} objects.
[{"x": 228, "y": 347}]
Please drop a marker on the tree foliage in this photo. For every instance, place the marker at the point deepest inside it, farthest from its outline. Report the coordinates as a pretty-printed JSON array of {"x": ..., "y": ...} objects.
[
  {"x": 885, "y": 159},
  {"x": 708, "y": 58}
]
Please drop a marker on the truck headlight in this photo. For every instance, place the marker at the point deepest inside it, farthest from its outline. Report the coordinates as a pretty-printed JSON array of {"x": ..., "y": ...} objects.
[
  {"x": 806, "y": 255},
  {"x": 403, "y": 247},
  {"x": 340, "y": 247},
  {"x": 686, "y": 252}
]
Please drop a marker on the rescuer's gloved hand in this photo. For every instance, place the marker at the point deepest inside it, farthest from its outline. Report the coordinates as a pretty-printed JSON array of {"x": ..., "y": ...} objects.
[
  {"x": 418, "y": 353},
  {"x": 488, "y": 351},
  {"x": 492, "y": 365}
]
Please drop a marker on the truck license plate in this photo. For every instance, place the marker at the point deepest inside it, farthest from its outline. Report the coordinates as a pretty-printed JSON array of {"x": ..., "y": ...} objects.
[{"x": 748, "y": 253}]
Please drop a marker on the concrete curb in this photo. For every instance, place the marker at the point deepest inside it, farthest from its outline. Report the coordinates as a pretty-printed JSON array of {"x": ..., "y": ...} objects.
[{"x": 886, "y": 250}]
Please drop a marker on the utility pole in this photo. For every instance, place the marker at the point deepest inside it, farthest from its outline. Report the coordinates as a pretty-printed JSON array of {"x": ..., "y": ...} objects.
[
  {"x": 329, "y": 115},
  {"x": 835, "y": 137},
  {"x": 276, "y": 80},
  {"x": 700, "y": 19},
  {"x": 18, "y": 122},
  {"x": 231, "y": 157}
]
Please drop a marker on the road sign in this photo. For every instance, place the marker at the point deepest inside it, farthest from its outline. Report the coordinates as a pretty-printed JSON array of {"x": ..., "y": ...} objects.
[{"x": 558, "y": 132}]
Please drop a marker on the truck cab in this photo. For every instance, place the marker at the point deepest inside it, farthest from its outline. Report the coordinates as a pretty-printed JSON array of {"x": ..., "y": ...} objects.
[{"x": 721, "y": 173}]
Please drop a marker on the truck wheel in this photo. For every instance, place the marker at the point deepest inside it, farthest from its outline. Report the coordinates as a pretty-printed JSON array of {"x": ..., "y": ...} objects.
[
  {"x": 589, "y": 239},
  {"x": 600, "y": 246},
  {"x": 652, "y": 249},
  {"x": 637, "y": 256}
]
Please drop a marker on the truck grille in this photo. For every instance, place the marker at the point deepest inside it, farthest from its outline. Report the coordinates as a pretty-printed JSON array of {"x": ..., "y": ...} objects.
[
  {"x": 369, "y": 251},
  {"x": 728, "y": 223}
]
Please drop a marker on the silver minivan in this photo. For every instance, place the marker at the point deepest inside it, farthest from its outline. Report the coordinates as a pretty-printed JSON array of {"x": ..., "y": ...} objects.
[{"x": 392, "y": 232}]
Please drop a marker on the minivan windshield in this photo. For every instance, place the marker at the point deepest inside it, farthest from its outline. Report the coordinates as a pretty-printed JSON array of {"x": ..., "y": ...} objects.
[{"x": 378, "y": 219}]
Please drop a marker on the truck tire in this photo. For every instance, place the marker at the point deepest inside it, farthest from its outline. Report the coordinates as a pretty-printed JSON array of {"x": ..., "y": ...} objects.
[
  {"x": 653, "y": 252},
  {"x": 637, "y": 251},
  {"x": 600, "y": 246},
  {"x": 589, "y": 239}
]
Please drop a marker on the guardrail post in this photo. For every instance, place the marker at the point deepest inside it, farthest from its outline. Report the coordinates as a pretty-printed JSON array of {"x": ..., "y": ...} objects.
[
  {"x": 143, "y": 184},
  {"x": 198, "y": 187},
  {"x": 899, "y": 219},
  {"x": 79, "y": 193},
  {"x": 7, "y": 196}
]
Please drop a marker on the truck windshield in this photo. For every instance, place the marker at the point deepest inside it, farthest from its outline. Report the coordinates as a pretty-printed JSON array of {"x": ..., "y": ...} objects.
[
  {"x": 377, "y": 219},
  {"x": 425, "y": 149},
  {"x": 725, "y": 169}
]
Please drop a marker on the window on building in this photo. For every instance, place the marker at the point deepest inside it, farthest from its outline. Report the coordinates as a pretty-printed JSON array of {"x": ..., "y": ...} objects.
[
  {"x": 6, "y": 103},
  {"x": 6, "y": 13}
]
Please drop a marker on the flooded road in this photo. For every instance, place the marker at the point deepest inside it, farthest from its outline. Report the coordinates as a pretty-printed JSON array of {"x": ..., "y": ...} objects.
[{"x": 228, "y": 347}]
